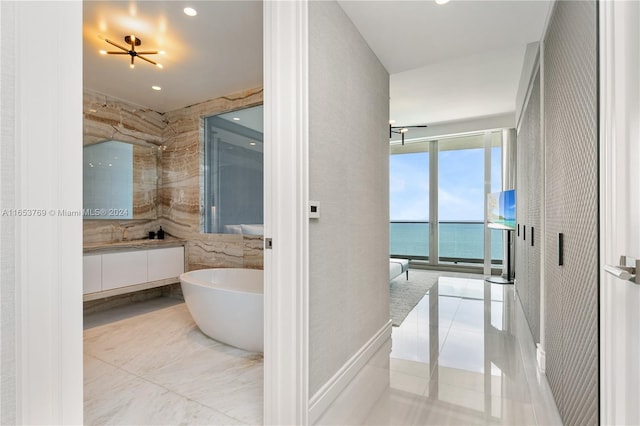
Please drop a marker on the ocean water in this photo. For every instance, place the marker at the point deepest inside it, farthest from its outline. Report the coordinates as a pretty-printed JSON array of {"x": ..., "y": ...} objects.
[{"x": 460, "y": 240}]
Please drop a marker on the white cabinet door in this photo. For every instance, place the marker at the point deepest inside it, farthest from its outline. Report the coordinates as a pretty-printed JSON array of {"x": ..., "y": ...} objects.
[
  {"x": 124, "y": 269},
  {"x": 91, "y": 274},
  {"x": 165, "y": 263}
]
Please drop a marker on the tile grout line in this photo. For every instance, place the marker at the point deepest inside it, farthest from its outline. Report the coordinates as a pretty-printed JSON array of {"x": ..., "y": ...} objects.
[{"x": 166, "y": 388}]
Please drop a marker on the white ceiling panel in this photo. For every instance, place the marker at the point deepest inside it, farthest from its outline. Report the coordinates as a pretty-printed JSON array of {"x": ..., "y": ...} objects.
[
  {"x": 452, "y": 62},
  {"x": 462, "y": 88},
  {"x": 217, "y": 52}
]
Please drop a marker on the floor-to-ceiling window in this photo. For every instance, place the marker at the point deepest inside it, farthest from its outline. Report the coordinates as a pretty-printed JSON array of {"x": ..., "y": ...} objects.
[
  {"x": 438, "y": 190},
  {"x": 409, "y": 204},
  {"x": 461, "y": 199}
]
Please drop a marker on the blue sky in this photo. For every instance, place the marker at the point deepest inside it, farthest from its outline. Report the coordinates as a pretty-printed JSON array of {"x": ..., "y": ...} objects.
[{"x": 460, "y": 182}]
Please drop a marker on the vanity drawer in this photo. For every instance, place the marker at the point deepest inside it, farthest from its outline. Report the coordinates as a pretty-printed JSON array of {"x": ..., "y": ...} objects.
[
  {"x": 91, "y": 274},
  {"x": 123, "y": 269},
  {"x": 165, "y": 263}
]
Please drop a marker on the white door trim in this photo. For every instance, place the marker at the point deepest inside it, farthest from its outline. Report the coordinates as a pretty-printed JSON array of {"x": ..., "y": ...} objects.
[
  {"x": 47, "y": 247},
  {"x": 49, "y": 337},
  {"x": 619, "y": 130},
  {"x": 286, "y": 134}
]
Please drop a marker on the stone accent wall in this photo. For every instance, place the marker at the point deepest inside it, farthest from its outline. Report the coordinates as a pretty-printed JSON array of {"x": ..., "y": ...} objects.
[
  {"x": 106, "y": 118},
  {"x": 178, "y": 136},
  {"x": 180, "y": 197}
]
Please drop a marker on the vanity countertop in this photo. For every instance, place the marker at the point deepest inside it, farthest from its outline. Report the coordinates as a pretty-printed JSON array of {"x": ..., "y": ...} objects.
[{"x": 143, "y": 244}]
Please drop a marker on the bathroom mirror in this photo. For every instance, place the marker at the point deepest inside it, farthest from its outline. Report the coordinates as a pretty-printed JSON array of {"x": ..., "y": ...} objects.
[
  {"x": 233, "y": 172},
  {"x": 120, "y": 180}
]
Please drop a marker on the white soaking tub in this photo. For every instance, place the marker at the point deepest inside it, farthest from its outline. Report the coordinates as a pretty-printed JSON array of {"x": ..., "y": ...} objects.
[{"x": 227, "y": 304}]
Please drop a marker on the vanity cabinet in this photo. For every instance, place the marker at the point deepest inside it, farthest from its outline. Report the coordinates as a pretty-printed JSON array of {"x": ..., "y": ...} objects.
[
  {"x": 124, "y": 269},
  {"x": 91, "y": 273},
  {"x": 165, "y": 263},
  {"x": 128, "y": 270}
]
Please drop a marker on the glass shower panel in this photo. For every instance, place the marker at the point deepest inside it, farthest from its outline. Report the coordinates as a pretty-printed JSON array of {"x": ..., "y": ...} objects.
[{"x": 233, "y": 172}]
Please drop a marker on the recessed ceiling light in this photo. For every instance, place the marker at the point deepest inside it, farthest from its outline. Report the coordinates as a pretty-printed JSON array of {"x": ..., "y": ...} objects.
[
  {"x": 156, "y": 87},
  {"x": 236, "y": 118},
  {"x": 159, "y": 65},
  {"x": 189, "y": 11},
  {"x": 162, "y": 52},
  {"x": 103, "y": 52},
  {"x": 442, "y": 1}
]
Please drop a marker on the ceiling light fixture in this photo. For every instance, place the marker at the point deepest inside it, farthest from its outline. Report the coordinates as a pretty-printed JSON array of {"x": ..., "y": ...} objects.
[
  {"x": 189, "y": 11},
  {"x": 156, "y": 87},
  {"x": 401, "y": 130},
  {"x": 132, "y": 41},
  {"x": 442, "y": 1}
]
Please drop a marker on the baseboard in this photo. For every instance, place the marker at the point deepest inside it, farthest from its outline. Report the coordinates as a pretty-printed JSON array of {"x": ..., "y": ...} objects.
[
  {"x": 327, "y": 394},
  {"x": 541, "y": 358}
]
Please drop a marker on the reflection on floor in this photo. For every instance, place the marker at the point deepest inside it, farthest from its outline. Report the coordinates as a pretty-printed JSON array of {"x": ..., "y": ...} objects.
[
  {"x": 148, "y": 363},
  {"x": 462, "y": 356}
]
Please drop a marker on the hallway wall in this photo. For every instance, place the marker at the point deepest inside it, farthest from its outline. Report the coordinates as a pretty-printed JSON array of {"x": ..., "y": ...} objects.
[
  {"x": 570, "y": 63},
  {"x": 529, "y": 215},
  {"x": 349, "y": 176}
]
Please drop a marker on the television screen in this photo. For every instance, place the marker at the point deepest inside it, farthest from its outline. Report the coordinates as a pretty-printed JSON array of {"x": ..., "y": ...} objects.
[{"x": 502, "y": 209}]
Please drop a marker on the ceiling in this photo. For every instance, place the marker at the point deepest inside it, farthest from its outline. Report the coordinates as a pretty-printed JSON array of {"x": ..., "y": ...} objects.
[
  {"x": 215, "y": 53},
  {"x": 447, "y": 62},
  {"x": 450, "y": 62}
]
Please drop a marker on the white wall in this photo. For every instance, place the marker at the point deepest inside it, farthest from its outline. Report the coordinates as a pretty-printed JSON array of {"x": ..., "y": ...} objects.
[
  {"x": 41, "y": 255},
  {"x": 529, "y": 66},
  {"x": 620, "y": 209},
  {"x": 349, "y": 176},
  {"x": 7, "y": 231}
]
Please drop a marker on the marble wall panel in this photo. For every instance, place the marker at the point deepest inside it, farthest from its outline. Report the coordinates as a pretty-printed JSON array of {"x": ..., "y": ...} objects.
[
  {"x": 106, "y": 118},
  {"x": 145, "y": 182},
  {"x": 115, "y": 231},
  {"x": 180, "y": 196},
  {"x": 253, "y": 251},
  {"x": 178, "y": 136},
  {"x": 216, "y": 251}
]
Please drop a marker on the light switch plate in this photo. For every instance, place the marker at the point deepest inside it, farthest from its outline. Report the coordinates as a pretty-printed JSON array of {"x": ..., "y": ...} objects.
[{"x": 314, "y": 210}]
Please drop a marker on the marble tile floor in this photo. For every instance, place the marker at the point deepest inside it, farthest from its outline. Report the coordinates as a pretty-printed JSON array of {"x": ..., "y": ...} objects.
[
  {"x": 465, "y": 356},
  {"x": 148, "y": 363}
]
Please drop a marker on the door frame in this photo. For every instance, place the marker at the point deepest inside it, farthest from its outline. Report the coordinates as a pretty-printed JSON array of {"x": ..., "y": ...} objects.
[
  {"x": 286, "y": 135},
  {"x": 48, "y": 322}
]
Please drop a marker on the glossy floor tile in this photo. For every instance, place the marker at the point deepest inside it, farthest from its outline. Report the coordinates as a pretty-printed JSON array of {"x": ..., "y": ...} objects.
[
  {"x": 463, "y": 356},
  {"x": 148, "y": 363},
  {"x": 459, "y": 359}
]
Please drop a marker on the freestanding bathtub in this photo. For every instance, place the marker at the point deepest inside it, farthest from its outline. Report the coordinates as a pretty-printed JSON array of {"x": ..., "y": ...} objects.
[{"x": 227, "y": 305}]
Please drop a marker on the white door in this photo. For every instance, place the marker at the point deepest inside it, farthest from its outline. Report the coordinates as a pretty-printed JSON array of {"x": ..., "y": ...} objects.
[{"x": 620, "y": 209}]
